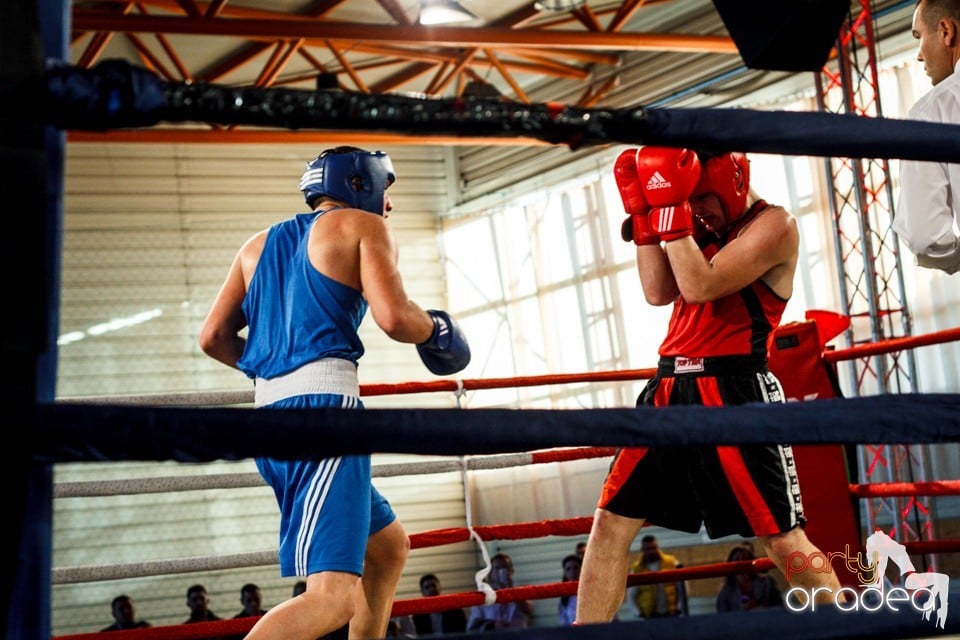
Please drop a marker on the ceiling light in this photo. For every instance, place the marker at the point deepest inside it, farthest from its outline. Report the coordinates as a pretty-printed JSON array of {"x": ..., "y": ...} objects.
[
  {"x": 558, "y": 5},
  {"x": 443, "y": 12}
]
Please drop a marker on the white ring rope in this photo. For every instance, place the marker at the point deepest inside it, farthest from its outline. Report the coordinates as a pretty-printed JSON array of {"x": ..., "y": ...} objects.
[
  {"x": 96, "y": 573},
  {"x": 187, "y": 399},
  {"x": 96, "y": 488},
  {"x": 165, "y": 484}
]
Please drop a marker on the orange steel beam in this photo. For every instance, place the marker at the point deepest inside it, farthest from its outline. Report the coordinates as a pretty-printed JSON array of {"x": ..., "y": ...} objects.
[
  {"x": 518, "y": 17},
  {"x": 486, "y": 37},
  {"x": 214, "y": 8},
  {"x": 256, "y": 136},
  {"x": 457, "y": 68},
  {"x": 168, "y": 48},
  {"x": 248, "y": 52},
  {"x": 149, "y": 59},
  {"x": 396, "y": 11},
  {"x": 94, "y": 48},
  {"x": 591, "y": 98},
  {"x": 324, "y": 7},
  {"x": 361, "y": 86},
  {"x": 590, "y": 57},
  {"x": 309, "y": 57},
  {"x": 98, "y": 42},
  {"x": 172, "y": 54},
  {"x": 551, "y": 68},
  {"x": 546, "y": 66},
  {"x": 506, "y": 76},
  {"x": 190, "y": 8},
  {"x": 540, "y": 67},
  {"x": 626, "y": 10},
  {"x": 524, "y": 15},
  {"x": 587, "y": 18},
  {"x": 401, "y": 77},
  {"x": 292, "y": 47},
  {"x": 437, "y": 77},
  {"x": 269, "y": 64}
]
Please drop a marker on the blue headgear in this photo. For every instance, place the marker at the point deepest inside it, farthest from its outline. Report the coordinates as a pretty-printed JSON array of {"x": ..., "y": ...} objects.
[{"x": 358, "y": 178}]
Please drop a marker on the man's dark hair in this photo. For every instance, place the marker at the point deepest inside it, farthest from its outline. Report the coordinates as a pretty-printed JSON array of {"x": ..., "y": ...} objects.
[
  {"x": 934, "y": 10},
  {"x": 570, "y": 557},
  {"x": 197, "y": 588}
]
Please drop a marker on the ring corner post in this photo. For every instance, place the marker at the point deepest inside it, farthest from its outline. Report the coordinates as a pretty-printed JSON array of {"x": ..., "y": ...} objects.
[{"x": 32, "y": 158}]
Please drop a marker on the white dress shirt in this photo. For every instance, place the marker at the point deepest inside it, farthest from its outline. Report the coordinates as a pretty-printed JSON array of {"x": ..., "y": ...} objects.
[{"x": 927, "y": 213}]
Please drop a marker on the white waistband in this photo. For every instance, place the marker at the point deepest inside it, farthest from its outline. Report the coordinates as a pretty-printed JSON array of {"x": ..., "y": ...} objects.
[{"x": 327, "y": 375}]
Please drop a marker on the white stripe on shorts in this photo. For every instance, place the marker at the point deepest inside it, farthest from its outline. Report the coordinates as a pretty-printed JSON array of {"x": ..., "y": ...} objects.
[{"x": 317, "y": 494}]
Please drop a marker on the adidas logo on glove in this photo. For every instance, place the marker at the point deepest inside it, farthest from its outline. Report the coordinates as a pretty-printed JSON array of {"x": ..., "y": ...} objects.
[{"x": 657, "y": 181}]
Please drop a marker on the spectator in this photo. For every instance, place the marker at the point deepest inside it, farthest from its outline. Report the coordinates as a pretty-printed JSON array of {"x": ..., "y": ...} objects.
[
  {"x": 299, "y": 587},
  {"x": 747, "y": 590},
  {"x": 581, "y": 550},
  {"x": 125, "y": 615},
  {"x": 501, "y": 615},
  {"x": 440, "y": 622},
  {"x": 199, "y": 604},
  {"x": 660, "y": 600},
  {"x": 250, "y": 600},
  {"x": 393, "y": 629},
  {"x": 404, "y": 627},
  {"x": 567, "y": 608}
]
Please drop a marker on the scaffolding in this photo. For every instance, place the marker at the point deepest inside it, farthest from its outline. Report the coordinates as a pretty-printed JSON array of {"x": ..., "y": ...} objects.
[{"x": 870, "y": 276}]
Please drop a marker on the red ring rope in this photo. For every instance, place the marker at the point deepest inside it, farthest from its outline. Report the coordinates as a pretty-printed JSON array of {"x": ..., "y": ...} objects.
[
  {"x": 892, "y": 344},
  {"x": 906, "y": 489}
]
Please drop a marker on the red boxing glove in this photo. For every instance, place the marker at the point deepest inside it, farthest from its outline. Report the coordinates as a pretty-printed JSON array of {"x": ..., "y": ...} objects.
[
  {"x": 636, "y": 228},
  {"x": 673, "y": 222},
  {"x": 669, "y": 177}
]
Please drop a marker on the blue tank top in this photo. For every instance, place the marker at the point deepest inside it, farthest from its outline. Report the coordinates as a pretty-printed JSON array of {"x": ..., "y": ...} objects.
[{"x": 295, "y": 314}]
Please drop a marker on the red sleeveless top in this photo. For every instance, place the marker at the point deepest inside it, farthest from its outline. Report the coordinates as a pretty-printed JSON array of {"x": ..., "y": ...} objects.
[{"x": 735, "y": 325}]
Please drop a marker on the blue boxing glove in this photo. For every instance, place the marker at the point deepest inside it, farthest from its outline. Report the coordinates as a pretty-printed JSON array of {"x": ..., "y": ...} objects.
[{"x": 446, "y": 350}]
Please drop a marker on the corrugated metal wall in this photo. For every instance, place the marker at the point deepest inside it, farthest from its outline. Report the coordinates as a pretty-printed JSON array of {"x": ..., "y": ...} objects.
[{"x": 149, "y": 233}]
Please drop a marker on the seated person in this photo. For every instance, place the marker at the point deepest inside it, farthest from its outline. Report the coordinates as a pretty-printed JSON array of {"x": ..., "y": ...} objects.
[
  {"x": 567, "y": 607},
  {"x": 500, "y": 615},
  {"x": 125, "y": 615},
  {"x": 440, "y": 622},
  {"x": 199, "y": 604},
  {"x": 659, "y": 600},
  {"x": 250, "y": 599},
  {"x": 747, "y": 590}
]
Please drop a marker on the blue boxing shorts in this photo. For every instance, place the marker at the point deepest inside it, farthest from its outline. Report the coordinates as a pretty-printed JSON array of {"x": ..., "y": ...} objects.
[{"x": 329, "y": 507}]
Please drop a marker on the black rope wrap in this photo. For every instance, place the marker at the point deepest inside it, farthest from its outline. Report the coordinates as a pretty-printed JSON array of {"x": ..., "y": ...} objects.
[
  {"x": 115, "y": 94},
  {"x": 65, "y": 432}
]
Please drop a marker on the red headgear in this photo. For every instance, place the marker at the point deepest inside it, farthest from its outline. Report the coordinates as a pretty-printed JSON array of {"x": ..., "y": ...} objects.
[{"x": 727, "y": 176}]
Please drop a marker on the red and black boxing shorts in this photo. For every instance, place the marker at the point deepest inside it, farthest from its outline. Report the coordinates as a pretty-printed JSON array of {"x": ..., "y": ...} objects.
[{"x": 748, "y": 490}]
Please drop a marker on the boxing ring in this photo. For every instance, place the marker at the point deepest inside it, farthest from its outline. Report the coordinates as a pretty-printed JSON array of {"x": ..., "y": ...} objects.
[
  {"x": 578, "y": 526},
  {"x": 114, "y": 96}
]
